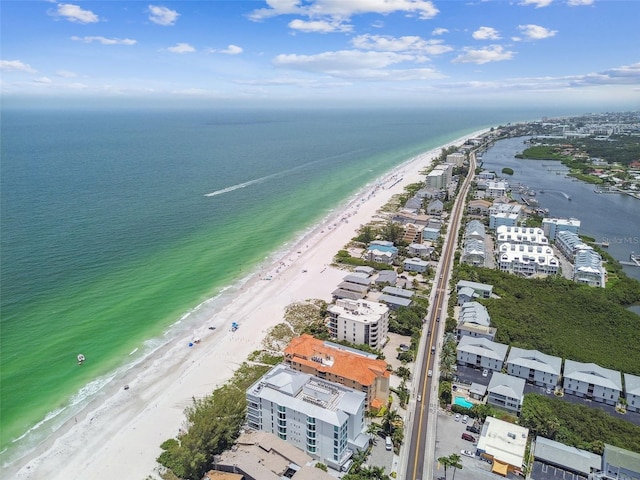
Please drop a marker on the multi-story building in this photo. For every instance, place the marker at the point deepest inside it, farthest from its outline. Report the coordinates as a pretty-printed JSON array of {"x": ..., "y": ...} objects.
[
  {"x": 352, "y": 368},
  {"x": 504, "y": 445},
  {"x": 521, "y": 236},
  {"x": 506, "y": 392},
  {"x": 527, "y": 260},
  {"x": 382, "y": 252},
  {"x": 359, "y": 322},
  {"x": 534, "y": 366},
  {"x": 588, "y": 269},
  {"x": 415, "y": 265},
  {"x": 507, "y": 214},
  {"x": 436, "y": 179},
  {"x": 323, "y": 419},
  {"x": 569, "y": 243},
  {"x": 474, "y": 312},
  {"x": 592, "y": 381},
  {"x": 632, "y": 392},
  {"x": 620, "y": 464},
  {"x": 481, "y": 353},
  {"x": 497, "y": 189},
  {"x": 456, "y": 159},
  {"x": 552, "y": 226},
  {"x": 473, "y": 252}
]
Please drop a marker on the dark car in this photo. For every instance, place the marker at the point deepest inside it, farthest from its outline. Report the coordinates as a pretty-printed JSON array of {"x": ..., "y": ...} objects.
[
  {"x": 469, "y": 438},
  {"x": 473, "y": 429}
]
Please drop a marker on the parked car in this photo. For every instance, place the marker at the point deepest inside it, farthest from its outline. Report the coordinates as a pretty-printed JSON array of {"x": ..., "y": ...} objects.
[
  {"x": 457, "y": 417},
  {"x": 419, "y": 397},
  {"x": 468, "y": 453},
  {"x": 485, "y": 372},
  {"x": 465, "y": 418},
  {"x": 467, "y": 437},
  {"x": 473, "y": 429}
]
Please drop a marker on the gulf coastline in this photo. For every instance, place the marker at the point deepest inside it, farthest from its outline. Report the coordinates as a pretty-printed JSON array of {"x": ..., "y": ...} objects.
[{"x": 123, "y": 231}]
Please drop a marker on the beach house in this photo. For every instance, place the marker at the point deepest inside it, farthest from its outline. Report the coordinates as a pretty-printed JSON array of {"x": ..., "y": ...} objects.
[
  {"x": 381, "y": 251},
  {"x": 506, "y": 392},
  {"x": 481, "y": 353},
  {"x": 592, "y": 381}
]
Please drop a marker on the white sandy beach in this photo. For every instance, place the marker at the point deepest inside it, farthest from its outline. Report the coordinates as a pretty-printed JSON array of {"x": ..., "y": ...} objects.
[{"x": 119, "y": 435}]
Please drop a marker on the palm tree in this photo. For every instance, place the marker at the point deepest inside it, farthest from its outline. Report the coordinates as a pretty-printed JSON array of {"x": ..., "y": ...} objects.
[
  {"x": 445, "y": 462},
  {"x": 390, "y": 417},
  {"x": 454, "y": 462}
]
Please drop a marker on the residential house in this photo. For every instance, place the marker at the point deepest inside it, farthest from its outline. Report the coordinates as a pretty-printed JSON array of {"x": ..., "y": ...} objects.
[
  {"x": 506, "y": 392},
  {"x": 352, "y": 368},
  {"x": 535, "y": 367},
  {"x": 431, "y": 234},
  {"x": 474, "y": 230},
  {"x": 435, "y": 207},
  {"x": 382, "y": 252},
  {"x": 386, "y": 277},
  {"x": 473, "y": 252},
  {"x": 420, "y": 250},
  {"x": 481, "y": 353},
  {"x": 323, "y": 419},
  {"x": 592, "y": 381},
  {"x": 395, "y": 297},
  {"x": 415, "y": 265},
  {"x": 588, "y": 268},
  {"x": 478, "y": 207},
  {"x": 481, "y": 290}
]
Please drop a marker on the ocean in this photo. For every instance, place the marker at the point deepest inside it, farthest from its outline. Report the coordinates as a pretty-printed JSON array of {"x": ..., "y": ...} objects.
[{"x": 117, "y": 224}]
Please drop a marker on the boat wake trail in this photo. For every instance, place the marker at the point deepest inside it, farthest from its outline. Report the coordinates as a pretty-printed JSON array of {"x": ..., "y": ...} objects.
[{"x": 275, "y": 175}]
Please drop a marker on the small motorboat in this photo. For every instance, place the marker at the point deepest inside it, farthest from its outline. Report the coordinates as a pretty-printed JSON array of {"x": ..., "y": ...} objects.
[{"x": 80, "y": 358}]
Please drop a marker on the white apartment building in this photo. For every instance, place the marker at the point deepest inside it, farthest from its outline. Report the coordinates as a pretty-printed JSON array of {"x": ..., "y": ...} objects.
[
  {"x": 534, "y": 366},
  {"x": 481, "y": 353},
  {"x": 323, "y": 419},
  {"x": 497, "y": 189},
  {"x": 520, "y": 236},
  {"x": 447, "y": 168},
  {"x": 507, "y": 214},
  {"x": 436, "y": 179},
  {"x": 588, "y": 269},
  {"x": 359, "y": 322},
  {"x": 569, "y": 243},
  {"x": 456, "y": 159},
  {"x": 552, "y": 226},
  {"x": 527, "y": 260},
  {"x": 592, "y": 381}
]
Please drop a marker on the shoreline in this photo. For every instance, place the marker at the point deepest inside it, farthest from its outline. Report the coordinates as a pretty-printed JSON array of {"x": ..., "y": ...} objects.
[{"x": 119, "y": 432}]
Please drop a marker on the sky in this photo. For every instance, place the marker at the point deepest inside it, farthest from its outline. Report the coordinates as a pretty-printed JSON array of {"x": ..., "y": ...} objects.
[{"x": 415, "y": 52}]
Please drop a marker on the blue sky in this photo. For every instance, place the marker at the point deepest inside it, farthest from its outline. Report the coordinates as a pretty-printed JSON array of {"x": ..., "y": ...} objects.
[{"x": 420, "y": 52}]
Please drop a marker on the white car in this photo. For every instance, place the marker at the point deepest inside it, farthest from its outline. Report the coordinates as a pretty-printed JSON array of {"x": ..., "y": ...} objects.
[
  {"x": 467, "y": 453},
  {"x": 419, "y": 397},
  {"x": 429, "y": 373},
  {"x": 485, "y": 372},
  {"x": 465, "y": 418},
  {"x": 457, "y": 417}
]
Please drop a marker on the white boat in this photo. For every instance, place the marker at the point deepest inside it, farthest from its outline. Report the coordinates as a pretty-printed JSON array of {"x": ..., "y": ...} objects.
[{"x": 80, "y": 358}]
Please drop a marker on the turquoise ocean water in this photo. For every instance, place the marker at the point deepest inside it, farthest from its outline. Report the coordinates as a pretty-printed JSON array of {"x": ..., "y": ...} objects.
[{"x": 108, "y": 238}]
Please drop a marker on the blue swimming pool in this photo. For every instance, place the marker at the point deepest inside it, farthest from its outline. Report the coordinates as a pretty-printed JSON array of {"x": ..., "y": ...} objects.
[{"x": 462, "y": 402}]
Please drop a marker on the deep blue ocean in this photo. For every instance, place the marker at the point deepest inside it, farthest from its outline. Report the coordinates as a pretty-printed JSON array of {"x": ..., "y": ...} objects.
[{"x": 108, "y": 237}]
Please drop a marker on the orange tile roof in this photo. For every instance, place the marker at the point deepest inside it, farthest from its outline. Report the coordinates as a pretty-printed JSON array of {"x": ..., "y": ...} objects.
[{"x": 345, "y": 364}]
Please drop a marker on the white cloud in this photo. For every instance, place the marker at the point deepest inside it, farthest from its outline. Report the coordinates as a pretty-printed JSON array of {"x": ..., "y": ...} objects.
[
  {"x": 181, "y": 48},
  {"x": 536, "y": 32},
  {"x": 74, "y": 13},
  {"x": 319, "y": 26},
  {"x": 625, "y": 75},
  {"x": 162, "y": 15},
  {"x": 105, "y": 40},
  {"x": 66, "y": 74},
  {"x": 579, "y": 3},
  {"x": 355, "y": 64},
  {"x": 537, "y": 3},
  {"x": 231, "y": 50},
  {"x": 344, "y": 9},
  {"x": 493, "y": 53},
  {"x": 387, "y": 43},
  {"x": 439, "y": 31},
  {"x": 43, "y": 81},
  {"x": 16, "y": 66},
  {"x": 486, "y": 33}
]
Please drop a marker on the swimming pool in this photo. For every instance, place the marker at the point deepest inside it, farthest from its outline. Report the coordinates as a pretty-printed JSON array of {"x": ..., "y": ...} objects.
[{"x": 462, "y": 402}]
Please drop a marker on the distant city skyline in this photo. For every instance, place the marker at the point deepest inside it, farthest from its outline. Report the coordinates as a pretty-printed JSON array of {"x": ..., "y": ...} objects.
[{"x": 367, "y": 52}]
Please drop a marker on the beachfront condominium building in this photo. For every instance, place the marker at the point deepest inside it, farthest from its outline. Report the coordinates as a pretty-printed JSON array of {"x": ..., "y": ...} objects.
[
  {"x": 457, "y": 159},
  {"x": 592, "y": 381},
  {"x": 552, "y": 226},
  {"x": 521, "y": 236},
  {"x": 436, "y": 179},
  {"x": 535, "y": 367},
  {"x": 359, "y": 322},
  {"x": 323, "y": 419},
  {"x": 333, "y": 362}
]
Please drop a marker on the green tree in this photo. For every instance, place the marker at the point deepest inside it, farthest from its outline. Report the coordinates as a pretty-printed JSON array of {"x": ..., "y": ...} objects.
[
  {"x": 391, "y": 232},
  {"x": 445, "y": 462},
  {"x": 403, "y": 372},
  {"x": 454, "y": 462}
]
